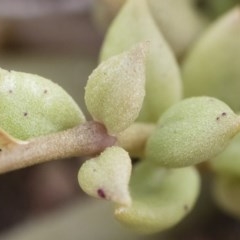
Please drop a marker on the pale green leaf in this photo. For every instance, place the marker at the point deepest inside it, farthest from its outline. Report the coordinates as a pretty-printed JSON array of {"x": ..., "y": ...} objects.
[
  {"x": 194, "y": 130},
  {"x": 212, "y": 66},
  {"x": 160, "y": 197},
  {"x": 107, "y": 176},
  {"x": 134, "y": 23},
  {"x": 115, "y": 90},
  {"x": 180, "y": 22},
  {"x": 228, "y": 162},
  {"x": 32, "y": 106}
]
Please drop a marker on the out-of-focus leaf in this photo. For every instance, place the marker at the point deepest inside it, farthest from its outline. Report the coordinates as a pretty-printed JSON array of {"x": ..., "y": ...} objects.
[
  {"x": 134, "y": 23},
  {"x": 160, "y": 197},
  {"x": 212, "y": 66}
]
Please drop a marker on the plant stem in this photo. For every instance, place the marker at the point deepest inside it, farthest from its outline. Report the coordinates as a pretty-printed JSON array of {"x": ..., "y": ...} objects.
[{"x": 86, "y": 139}]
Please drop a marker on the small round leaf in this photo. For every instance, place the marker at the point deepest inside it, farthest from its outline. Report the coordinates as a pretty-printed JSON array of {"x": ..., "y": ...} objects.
[{"x": 32, "y": 106}]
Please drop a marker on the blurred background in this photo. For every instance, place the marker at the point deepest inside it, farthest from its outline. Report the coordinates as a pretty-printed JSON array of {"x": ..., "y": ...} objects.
[{"x": 60, "y": 40}]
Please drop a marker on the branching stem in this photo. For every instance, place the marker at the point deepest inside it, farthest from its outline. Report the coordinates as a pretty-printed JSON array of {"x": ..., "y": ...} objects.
[{"x": 86, "y": 139}]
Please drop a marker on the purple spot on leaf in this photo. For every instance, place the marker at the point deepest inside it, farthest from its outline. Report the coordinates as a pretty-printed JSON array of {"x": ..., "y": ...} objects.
[{"x": 101, "y": 193}]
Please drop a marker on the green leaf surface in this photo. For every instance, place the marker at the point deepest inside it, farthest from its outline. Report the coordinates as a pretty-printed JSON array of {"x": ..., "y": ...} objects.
[
  {"x": 115, "y": 90},
  {"x": 134, "y": 23},
  {"x": 180, "y": 22},
  {"x": 212, "y": 66},
  {"x": 228, "y": 162},
  {"x": 32, "y": 106},
  {"x": 192, "y": 131},
  {"x": 160, "y": 197},
  {"x": 107, "y": 176}
]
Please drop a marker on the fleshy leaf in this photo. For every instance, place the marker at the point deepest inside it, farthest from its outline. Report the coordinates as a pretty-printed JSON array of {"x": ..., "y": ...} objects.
[
  {"x": 32, "y": 106},
  {"x": 180, "y": 22},
  {"x": 192, "y": 131},
  {"x": 160, "y": 197},
  {"x": 115, "y": 90},
  {"x": 228, "y": 162},
  {"x": 107, "y": 176},
  {"x": 134, "y": 23},
  {"x": 212, "y": 67},
  {"x": 227, "y": 194}
]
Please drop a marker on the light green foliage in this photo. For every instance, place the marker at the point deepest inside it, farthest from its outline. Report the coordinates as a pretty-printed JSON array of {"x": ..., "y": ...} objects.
[
  {"x": 161, "y": 197},
  {"x": 115, "y": 90},
  {"x": 227, "y": 194},
  {"x": 228, "y": 162},
  {"x": 32, "y": 106},
  {"x": 107, "y": 176},
  {"x": 180, "y": 22},
  {"x": 139, "y": 79},
  {"x": 192, "y": 131},
  {"x": 134, "y": 23},
  {"x": 212, "y": 67}
]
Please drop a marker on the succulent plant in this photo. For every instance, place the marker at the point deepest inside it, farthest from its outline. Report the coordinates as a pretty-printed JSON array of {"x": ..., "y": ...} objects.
[{"x": 135, "y": 99}]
